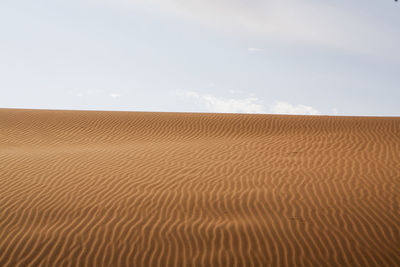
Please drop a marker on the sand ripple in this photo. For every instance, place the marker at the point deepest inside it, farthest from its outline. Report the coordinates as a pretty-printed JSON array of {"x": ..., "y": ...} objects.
[{"x": 80, "y": 188}]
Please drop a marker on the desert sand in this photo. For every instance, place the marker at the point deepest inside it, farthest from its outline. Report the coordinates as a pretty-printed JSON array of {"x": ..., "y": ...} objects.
[{"x": 91, "y": 188}]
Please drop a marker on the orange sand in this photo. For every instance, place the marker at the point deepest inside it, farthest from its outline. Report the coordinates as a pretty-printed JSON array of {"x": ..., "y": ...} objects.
[{"x": 85, "y": 188}]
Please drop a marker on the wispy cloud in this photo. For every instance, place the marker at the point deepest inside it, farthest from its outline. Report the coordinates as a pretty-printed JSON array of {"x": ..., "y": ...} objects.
[
  {"x": 255, "y": 49},
  {"x": 96, "y": 93},
  {"x": 114, "y": 95},
  {"x": 337, "y": 25},
  {"x": 226, "y": 105},
  {"x": 287, "y": 108}
]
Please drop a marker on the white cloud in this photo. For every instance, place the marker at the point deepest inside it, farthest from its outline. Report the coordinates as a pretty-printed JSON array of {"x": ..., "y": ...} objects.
[
  {"x": 114, "y": 95},
  {"x": 226, "y": 105},
  {"x": 254, "y": 49},
  {"x": 286, "y": 108},
  {"x": 247, "y": 105}
]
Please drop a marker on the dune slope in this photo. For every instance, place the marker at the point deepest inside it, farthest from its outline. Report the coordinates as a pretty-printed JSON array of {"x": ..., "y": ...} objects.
[{"x": 85, "y": 188}]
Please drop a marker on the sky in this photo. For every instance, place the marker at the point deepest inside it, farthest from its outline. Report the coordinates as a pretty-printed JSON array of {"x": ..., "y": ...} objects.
[{"x": 314, "y": 57}]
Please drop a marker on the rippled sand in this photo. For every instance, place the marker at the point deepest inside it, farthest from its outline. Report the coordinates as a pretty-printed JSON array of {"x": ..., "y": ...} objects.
[{"x": 85, "y": 188}]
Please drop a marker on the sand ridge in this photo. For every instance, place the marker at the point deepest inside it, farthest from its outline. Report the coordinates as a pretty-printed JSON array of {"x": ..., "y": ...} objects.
[{"x": 92, "y": 188}]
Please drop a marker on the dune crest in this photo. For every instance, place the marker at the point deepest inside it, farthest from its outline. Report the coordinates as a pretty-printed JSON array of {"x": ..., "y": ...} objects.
[{"x": 91, "y": 188}]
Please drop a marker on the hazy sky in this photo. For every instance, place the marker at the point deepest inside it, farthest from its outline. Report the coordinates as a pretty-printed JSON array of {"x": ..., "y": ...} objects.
[{"x": 248, "y": 56}]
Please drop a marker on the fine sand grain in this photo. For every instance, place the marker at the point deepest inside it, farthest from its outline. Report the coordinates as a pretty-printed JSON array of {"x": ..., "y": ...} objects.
[{"x": 86, "y": 188}]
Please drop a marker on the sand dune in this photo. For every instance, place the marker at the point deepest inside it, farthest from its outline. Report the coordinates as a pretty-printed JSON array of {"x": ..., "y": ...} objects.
[{"x": 85, "y": 188}]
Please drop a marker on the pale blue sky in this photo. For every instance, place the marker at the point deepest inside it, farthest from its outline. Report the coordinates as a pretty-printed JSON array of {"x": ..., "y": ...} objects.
[{"x": 272, "y": 56}]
